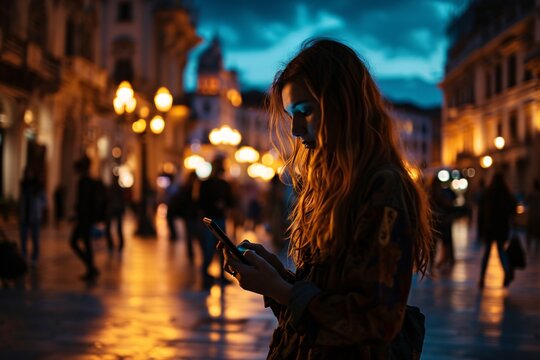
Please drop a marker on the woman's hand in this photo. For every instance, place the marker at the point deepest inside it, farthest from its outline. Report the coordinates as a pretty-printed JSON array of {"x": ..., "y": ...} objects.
[
  {"x": 260, "y": 276},
  {"x": 266, "y": 255}
]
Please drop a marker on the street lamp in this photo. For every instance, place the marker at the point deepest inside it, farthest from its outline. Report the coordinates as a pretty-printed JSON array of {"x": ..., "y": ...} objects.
[
  {"x": 124, "y": 102},
  {"x": 499, "y": 142},
  {"x": 225, "y": 135}
]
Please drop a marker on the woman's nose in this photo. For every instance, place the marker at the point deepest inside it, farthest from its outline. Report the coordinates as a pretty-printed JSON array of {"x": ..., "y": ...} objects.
[{"x": 299, "y": 126}]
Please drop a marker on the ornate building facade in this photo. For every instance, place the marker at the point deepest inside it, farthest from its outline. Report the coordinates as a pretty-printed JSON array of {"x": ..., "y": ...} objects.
[
  {"x": 60, "y": 61},
  {"x": 492, "y": 91}
]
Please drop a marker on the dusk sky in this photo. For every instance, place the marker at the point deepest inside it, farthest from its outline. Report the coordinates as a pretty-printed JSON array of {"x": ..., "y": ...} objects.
[{"x": 402, "y": 41}]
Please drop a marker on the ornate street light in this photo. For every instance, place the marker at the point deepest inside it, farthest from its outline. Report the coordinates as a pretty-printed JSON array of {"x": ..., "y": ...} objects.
[
  {"x": 125, "y": 103},
  {"x": 225, "y": 136},
  {"x": 246, "y": 154},
  {"x": 499, "y": 142}
]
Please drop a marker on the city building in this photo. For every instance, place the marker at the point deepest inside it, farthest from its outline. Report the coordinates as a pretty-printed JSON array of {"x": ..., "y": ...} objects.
[
  {"x": 419, "y": 132},
  {"x": 490, "y": 115},
  {"x": 60, "y": 64},
  {"x": 217, "y": 96},
  {"x": 147, "y": 43},
  {"x": 50, "y": 89}
]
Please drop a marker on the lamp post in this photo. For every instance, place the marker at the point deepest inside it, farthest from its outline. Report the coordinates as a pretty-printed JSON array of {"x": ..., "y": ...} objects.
[{"x": 163, "y": 103}]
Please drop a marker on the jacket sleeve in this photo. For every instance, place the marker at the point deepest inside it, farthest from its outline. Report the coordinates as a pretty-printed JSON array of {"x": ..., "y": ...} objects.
[{"x": 367, "y": 303}]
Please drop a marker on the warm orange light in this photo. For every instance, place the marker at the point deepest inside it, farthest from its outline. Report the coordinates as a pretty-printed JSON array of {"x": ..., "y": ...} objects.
[
  {"x": 179, "y": 111},
  {"x": 116, "y": 152},
  {"x": 499, "y": 142},
  {"x": 144, "y": 111},
  {"x": 124, "y": 91},
  {"x": 163, "y": 99},
  {"x": 486, "y": 161},
  {"x": 157, "y": 124},
  {"x": 139, "y": 126}
]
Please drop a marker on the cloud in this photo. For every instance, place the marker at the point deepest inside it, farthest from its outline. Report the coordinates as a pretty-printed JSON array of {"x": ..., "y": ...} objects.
[
  {"x": 257, "y": 66},
  {"x": 398, "y": 38},
  {"x": 415, "y": 90}
]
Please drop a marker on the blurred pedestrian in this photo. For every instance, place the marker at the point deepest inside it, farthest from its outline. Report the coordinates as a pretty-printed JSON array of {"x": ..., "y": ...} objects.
[
  {"x": 499, "y": 210},
  {"x": 479, "y": 199},
  {"x": 116, "y": 205},
  {"x": 360, "y": 225},
  {"x": 85, "y": 204},
  {"x": 184, "y": 205},
  {"x": 442, "y": 200},
  {"x": 32, "y": 204},
  {"x": 215, "y": 201},
  {"x": 277, "y": 212},
  {"x": 172, "y": 193},
  {"x": 533, "y": 216}
]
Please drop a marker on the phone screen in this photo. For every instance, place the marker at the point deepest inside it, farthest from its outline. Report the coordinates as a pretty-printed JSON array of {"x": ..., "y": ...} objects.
[{"x": 220, "y": 234}]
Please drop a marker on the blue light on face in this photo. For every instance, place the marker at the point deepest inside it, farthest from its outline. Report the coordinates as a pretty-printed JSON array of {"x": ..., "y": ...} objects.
[{"x": 304, "y": 108}]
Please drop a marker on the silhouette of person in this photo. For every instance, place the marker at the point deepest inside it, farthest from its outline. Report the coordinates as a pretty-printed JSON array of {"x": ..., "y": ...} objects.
[
  {"x": 533, "y": 216},
  {"x": 32, "y": 203},
  {"x": 171, "y": 200},
  {"x": 80, "y": 240},
  {"x": 187, "y": 207},
  {"x": 276, "y": 212},
  {"x": 499, "y": 209},
  {"x": 215, "y": 200},
  {"x": 360, "y": 223},
  {"x": 442, "y": 204},
  {"x": 480, "y": 197},
  {"x": 116, "y": 205}
]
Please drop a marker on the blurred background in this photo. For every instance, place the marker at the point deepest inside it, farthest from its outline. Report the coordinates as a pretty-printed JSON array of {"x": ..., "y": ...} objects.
[{"x": 154, "y": 92}]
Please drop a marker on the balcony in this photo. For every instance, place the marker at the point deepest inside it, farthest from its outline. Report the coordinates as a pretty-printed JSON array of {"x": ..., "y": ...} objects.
[
  {"x": 81, "y": 69},
  {"x": 12, "y": 50},
  {"x": 26, "y": 66}
]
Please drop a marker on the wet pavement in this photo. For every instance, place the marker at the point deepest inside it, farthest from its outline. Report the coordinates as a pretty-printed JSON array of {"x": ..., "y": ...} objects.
[{"x": 147, "y": 304}]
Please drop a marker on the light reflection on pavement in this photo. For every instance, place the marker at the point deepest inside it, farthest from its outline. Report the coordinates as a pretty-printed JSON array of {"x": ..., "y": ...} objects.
[{"x": 147, "y": 305}]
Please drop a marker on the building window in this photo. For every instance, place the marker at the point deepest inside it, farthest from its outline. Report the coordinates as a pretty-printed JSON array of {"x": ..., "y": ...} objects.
[
  {"x": 499, "y": 128},
  {"x": 123, "y": 70},
  {"x": 124, "y": 12},
  {"x": 512, "y": 122},
  {"x": 512, "y": 70},
  {"x": 7, "y": 16},
  {"x": 529, "y": 126},
  {"x": 498, "y": 79},
  {"x": 69, "y": 44},
  {"x": 488, "y": 84},
  {"x": 527, "y": 75},
  {"x": 37, "y": 23},
  {"x": 207, "y": 108}
]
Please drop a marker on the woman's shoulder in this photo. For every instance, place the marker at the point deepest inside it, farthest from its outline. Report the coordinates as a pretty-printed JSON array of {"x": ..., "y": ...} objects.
[{"x": 386, "y": 187}]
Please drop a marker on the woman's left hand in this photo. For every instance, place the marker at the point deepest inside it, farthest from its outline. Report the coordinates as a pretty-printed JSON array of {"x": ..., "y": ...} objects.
[{"x": 259, "y": 277}]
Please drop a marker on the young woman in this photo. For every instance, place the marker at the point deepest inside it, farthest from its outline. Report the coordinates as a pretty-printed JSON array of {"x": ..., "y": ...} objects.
[{"x": 360, "y": 225}]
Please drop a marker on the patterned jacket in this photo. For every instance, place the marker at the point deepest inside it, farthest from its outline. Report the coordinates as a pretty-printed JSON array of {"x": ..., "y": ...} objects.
[{"x": 353, "y": 306}]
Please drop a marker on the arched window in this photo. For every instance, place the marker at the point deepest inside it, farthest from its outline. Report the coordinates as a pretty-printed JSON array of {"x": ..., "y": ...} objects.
[
  {"x": 7, "y": 15},
  {"x": 37, "y": 23},
  {"x": 123, "y": 51},
  {"x": 89, "y": 27}
]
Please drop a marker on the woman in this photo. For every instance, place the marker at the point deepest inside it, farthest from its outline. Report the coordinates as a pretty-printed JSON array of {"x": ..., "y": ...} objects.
[{"x": 360, "y": 225}]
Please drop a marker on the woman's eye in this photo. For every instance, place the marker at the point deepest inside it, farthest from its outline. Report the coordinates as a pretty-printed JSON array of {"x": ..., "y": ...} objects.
[{"x": 304, "y": 112}]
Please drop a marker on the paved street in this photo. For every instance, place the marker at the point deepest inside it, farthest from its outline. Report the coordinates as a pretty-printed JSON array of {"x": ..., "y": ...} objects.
[{"x": 147, "y": 305}]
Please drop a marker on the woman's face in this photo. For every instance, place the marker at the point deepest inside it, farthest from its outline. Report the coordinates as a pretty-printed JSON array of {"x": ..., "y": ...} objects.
[{"x": 304, "y": 111}]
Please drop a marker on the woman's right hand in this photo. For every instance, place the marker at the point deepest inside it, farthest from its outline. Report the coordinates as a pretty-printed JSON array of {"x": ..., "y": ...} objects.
[{"x": 272, "y": 259}]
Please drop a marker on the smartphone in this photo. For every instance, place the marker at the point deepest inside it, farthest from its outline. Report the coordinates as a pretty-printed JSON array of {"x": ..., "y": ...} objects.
[{"x": 220, "y": 234}]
